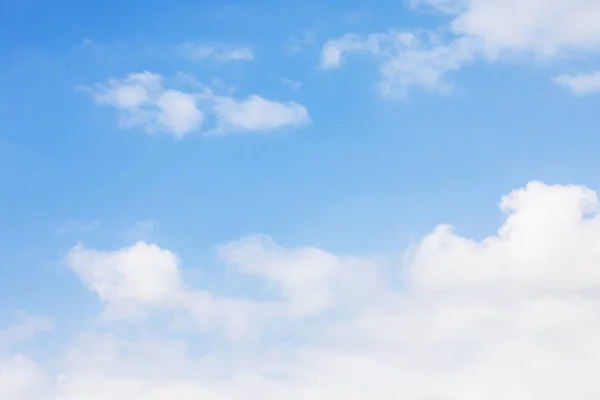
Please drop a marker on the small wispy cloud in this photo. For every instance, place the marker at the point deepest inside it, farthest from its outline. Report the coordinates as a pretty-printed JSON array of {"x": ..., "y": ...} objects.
[
  {"x": 296, "y": 44},
  {"x": 292, "y": 84},
  {"x": 220, "y": 52},
  {"x": 408, "y": 60}
]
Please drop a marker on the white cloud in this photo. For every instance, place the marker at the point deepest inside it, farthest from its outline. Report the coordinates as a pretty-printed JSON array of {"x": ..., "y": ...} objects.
[
  {"x": 545, "y": 247},
  {"x": 511, "y": 316},
  {"x": 142, "y": 273},
  {"x": 424, "y": 68},
  {"x": 258, "y": 114},
  {"x": 142, "y": 278},
  {"x": 144, "y": 102},
  {"x": 542, "y": 28},
  {"x": 580, "y": 84},
  {"x": 178, "y": 112},
  {"x": 219, "y": 52},
  {"x": 309, "y": 279},
  {"x": 478, "y": 28}
]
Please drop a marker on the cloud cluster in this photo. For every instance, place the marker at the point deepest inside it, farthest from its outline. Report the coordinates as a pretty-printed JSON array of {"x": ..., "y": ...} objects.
[
  {"x": 410, "y": 60},
  {"x": 144, "y": 102},
  {"x": 477, "y": 28},
  {"x": 511, "y": 316}
]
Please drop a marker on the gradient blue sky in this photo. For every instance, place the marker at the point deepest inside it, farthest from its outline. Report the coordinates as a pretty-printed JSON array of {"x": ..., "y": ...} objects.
[{"x": 369, "y": 174}]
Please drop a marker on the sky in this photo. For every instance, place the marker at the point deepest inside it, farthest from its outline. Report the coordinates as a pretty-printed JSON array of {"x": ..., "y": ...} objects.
[{"x": 230, "y": 200}]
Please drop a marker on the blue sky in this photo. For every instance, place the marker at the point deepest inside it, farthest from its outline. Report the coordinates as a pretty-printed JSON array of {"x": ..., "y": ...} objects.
[{"x": 354, "y": 128}]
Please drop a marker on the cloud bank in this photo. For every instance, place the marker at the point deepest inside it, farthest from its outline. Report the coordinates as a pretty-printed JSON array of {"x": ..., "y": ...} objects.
[{"x": 511, "y": 316}]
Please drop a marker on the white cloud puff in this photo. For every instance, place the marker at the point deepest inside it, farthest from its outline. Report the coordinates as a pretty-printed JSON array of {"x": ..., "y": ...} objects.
[
  {"x": 478, "y": 28},
  {"x": 546, "y": 246},
  {"x": 144, "y": 102},
  {"x": 511, "y": 316},
  {"x": 143, "y": 272}
]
